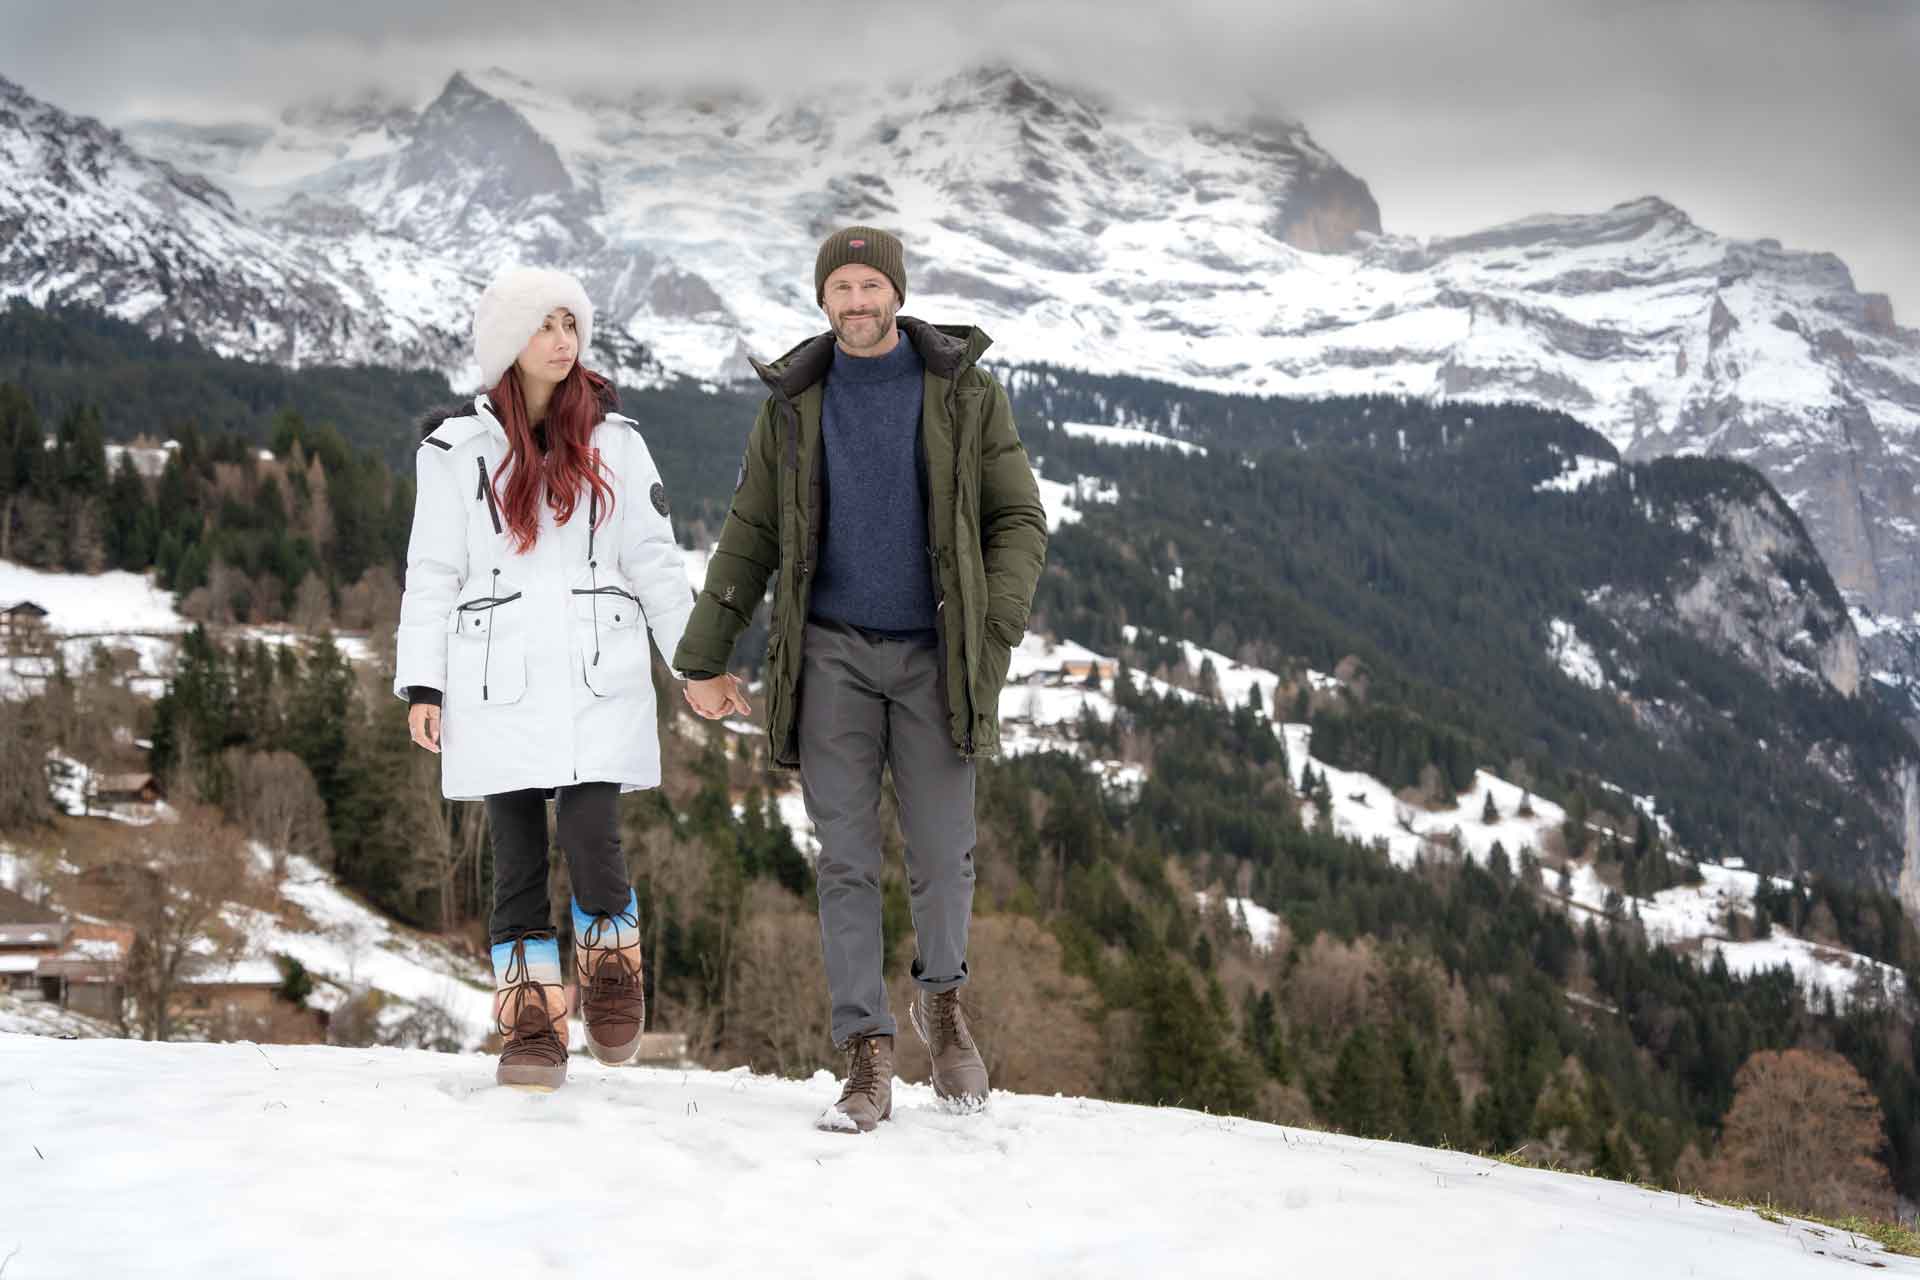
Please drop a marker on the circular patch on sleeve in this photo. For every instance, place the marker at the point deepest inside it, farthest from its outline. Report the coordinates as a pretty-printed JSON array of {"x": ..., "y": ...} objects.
[{"x": 659, "y": 495}]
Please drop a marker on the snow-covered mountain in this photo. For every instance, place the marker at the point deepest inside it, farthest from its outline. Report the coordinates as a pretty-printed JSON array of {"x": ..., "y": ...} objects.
[
  {"x": 87, "y": 219},
  {"x": 1234, "y": 256}
]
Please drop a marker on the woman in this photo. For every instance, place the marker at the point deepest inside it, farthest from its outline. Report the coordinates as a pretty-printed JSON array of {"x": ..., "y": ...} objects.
[{"x": 540, "y": 559}]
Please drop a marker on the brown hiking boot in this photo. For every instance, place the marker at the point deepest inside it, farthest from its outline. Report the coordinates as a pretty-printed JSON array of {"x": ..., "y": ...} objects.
[
  {"x": 530, "y": 1010},
  {"x": 867, "y": 1098},
  {"x": 613, "y": 1001},
  {"x": 959, "y": 1074}
]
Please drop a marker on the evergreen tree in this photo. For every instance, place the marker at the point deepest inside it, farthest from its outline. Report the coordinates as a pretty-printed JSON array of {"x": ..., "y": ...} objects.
[{"x": 1367, "y": 1094}]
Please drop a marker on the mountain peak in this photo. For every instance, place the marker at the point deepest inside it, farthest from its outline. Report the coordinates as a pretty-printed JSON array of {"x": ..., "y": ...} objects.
[{"x": 458, "y": 96}]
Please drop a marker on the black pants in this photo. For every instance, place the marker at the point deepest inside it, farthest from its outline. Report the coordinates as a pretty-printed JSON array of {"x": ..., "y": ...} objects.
[{"x": 588, "y": 816}]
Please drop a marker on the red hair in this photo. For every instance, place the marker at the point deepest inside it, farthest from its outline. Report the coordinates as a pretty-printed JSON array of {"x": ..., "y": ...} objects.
[{"x": 570, "y": 466}]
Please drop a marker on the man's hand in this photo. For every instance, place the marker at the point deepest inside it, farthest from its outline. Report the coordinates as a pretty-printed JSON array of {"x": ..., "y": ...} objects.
[
  {"x": 423, "y": 723},
  {"x": 716, "y": 698}
]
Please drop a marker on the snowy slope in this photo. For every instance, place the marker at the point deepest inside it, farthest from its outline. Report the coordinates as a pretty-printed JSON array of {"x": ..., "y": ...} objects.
[
  {"x": 314, "y": 1161},
  {"x": 130, "y": 617},
  {"x": 349, "y": 948},
  {"x": 1045, "y": 697}
]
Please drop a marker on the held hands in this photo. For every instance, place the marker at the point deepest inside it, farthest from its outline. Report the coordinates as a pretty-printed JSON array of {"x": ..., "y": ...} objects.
[
  {"x": 423, "y": 725},
  {"x": 719, "y": 697}
]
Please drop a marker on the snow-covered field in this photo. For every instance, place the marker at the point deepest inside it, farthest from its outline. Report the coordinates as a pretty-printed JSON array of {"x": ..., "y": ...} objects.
[
  {"x": 130, "y": 617},
  {"x": 1262, "y": 925},
  {"x": 83, "y": 603},
  {"x": 122, "y": 1157},
  {"x": 352, "y": 948},
  {"x": 39, "y": 1018},
  {"x": 1131, "y": 437}
]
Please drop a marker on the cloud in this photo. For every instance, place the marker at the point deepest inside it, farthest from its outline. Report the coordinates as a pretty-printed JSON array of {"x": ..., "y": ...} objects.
[{"x": 1790, "y": 118}]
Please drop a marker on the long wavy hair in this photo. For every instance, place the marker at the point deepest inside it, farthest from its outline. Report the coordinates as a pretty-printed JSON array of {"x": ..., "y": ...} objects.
[{"x": 570, "y": 468}]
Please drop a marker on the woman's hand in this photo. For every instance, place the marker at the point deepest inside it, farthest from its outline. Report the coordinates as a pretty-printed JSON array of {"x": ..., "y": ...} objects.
[
  {"x": 716, "y": 698},
  {"x": 423, "y": 724}
]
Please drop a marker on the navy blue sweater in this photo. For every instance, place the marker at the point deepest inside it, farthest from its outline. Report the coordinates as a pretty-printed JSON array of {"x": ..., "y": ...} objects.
[{"x": 873, "y": 570}]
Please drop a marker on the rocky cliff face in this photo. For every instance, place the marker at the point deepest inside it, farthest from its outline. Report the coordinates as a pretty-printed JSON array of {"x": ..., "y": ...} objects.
[
  {"x": 1752, "y": 599},
  {"x": 1758, "y": 594}
]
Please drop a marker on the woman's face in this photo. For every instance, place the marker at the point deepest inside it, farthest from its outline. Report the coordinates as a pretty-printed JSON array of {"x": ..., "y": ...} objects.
[{"x": 549, "y": 354}]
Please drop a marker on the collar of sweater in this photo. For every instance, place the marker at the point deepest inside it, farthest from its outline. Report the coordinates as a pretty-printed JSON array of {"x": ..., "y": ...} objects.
[{"x": 901, "y": 362}]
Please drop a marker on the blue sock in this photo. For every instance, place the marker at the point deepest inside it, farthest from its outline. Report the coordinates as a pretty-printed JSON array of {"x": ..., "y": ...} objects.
[
  {"x": 543, "y": 962},
  {"x": 621, "y": 929}
]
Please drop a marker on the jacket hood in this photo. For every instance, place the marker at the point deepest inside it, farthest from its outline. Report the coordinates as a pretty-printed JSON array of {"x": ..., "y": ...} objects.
[{"x": 947, "y": 350}]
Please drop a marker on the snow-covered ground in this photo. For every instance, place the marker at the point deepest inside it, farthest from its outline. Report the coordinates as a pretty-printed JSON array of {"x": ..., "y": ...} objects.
[
  {"x": 351, "y": 948},
  {"x": 1131, "y": 437},
  {"x": 1582, "y": 472},
  {"x": 92, "y": 603},
  {"x": 1573, "y": 655},
  {"x": 38, "y": 1018},
  {"x": 127, "y": 615},
  {"x": 124, "y": 1157},
  {"x": 1065, "y": 503},
  {"x": 1819, "y": 970},
  {"x": 1262, "y": 925},
  {"x": 1366, "y": 810}
]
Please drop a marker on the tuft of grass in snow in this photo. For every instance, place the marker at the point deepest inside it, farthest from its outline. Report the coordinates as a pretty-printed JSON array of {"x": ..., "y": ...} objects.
[{"x": 1891, "y": 1236}]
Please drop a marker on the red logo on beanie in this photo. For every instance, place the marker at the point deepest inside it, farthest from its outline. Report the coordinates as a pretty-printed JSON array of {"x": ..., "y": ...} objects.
[{"x": 856, "y": 244}]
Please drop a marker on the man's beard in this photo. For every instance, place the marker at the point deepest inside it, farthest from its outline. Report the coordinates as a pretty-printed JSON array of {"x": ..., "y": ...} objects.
[{"x": 842, "y": 323}]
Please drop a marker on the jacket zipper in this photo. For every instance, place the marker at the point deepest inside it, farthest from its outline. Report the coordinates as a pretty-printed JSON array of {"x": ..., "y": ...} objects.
[
  {"x": 593, "y": 565},
  {"x": 486, "y": 665},
  {"x": 953, "y": 418},
  {"x": 486, "y": 491}
]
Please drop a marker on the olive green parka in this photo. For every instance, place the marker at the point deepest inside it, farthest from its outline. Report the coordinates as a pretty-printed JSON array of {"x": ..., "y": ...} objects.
[{"x": 986, "y": 532}]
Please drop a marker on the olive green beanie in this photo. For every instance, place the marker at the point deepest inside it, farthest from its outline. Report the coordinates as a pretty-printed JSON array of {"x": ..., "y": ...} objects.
[{"x": 867, "y": 245}]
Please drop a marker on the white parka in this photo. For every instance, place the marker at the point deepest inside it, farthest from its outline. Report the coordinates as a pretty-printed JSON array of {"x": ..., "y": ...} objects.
[{"x": 542, "y": 658}]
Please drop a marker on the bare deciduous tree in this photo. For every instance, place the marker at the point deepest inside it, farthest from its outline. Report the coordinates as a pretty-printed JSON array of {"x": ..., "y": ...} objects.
[
  {"x": 1805, "y": 1131},
  {"x": 373, "y": 603},
  {"x": 436, "y": 862},
  {"x": 1332, "y": 984},
  {"x": 275, "y": 801},
  {"x": 1032, "y": 1020},
  {"x": 173, "y": 896},
  {"x": 312, "y": 606},
  {"x": 23, "y": 766},
  {"x": 778, "y": 1020}
]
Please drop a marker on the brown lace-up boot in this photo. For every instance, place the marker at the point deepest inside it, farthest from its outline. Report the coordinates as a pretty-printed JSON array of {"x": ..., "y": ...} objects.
[
  {"x": 867, "y": 1098},
  {"x": 959, "y": 1074},
  {"x": 607, "y": 965},
  {"x": 530, "y": 1010}
]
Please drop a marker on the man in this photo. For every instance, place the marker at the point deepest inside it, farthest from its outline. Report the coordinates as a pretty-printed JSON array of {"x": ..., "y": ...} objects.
[{"x": 886, "y": 483}]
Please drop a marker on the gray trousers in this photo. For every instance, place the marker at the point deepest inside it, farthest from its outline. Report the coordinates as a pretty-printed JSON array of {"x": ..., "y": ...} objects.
[{"x": 865, "y": 705}]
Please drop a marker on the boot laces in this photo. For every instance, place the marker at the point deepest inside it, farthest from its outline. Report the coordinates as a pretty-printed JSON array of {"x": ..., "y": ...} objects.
[
  {"x": 863, "y": 1074},
  {"x": 531, "y": 1032},
  {"x": 611, "y": 976},
  {"x": 946, "y": 1013}
]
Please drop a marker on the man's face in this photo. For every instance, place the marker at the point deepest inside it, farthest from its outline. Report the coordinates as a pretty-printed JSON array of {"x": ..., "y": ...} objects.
[{"x": 861, "y": 305}]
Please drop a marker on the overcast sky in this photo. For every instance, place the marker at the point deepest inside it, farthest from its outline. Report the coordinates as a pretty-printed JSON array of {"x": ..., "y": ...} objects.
[{"x": 1797, "y": 119}]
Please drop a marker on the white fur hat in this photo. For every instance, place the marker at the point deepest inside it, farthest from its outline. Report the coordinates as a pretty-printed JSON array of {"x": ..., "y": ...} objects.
[{"x": 510, "y": 311}]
